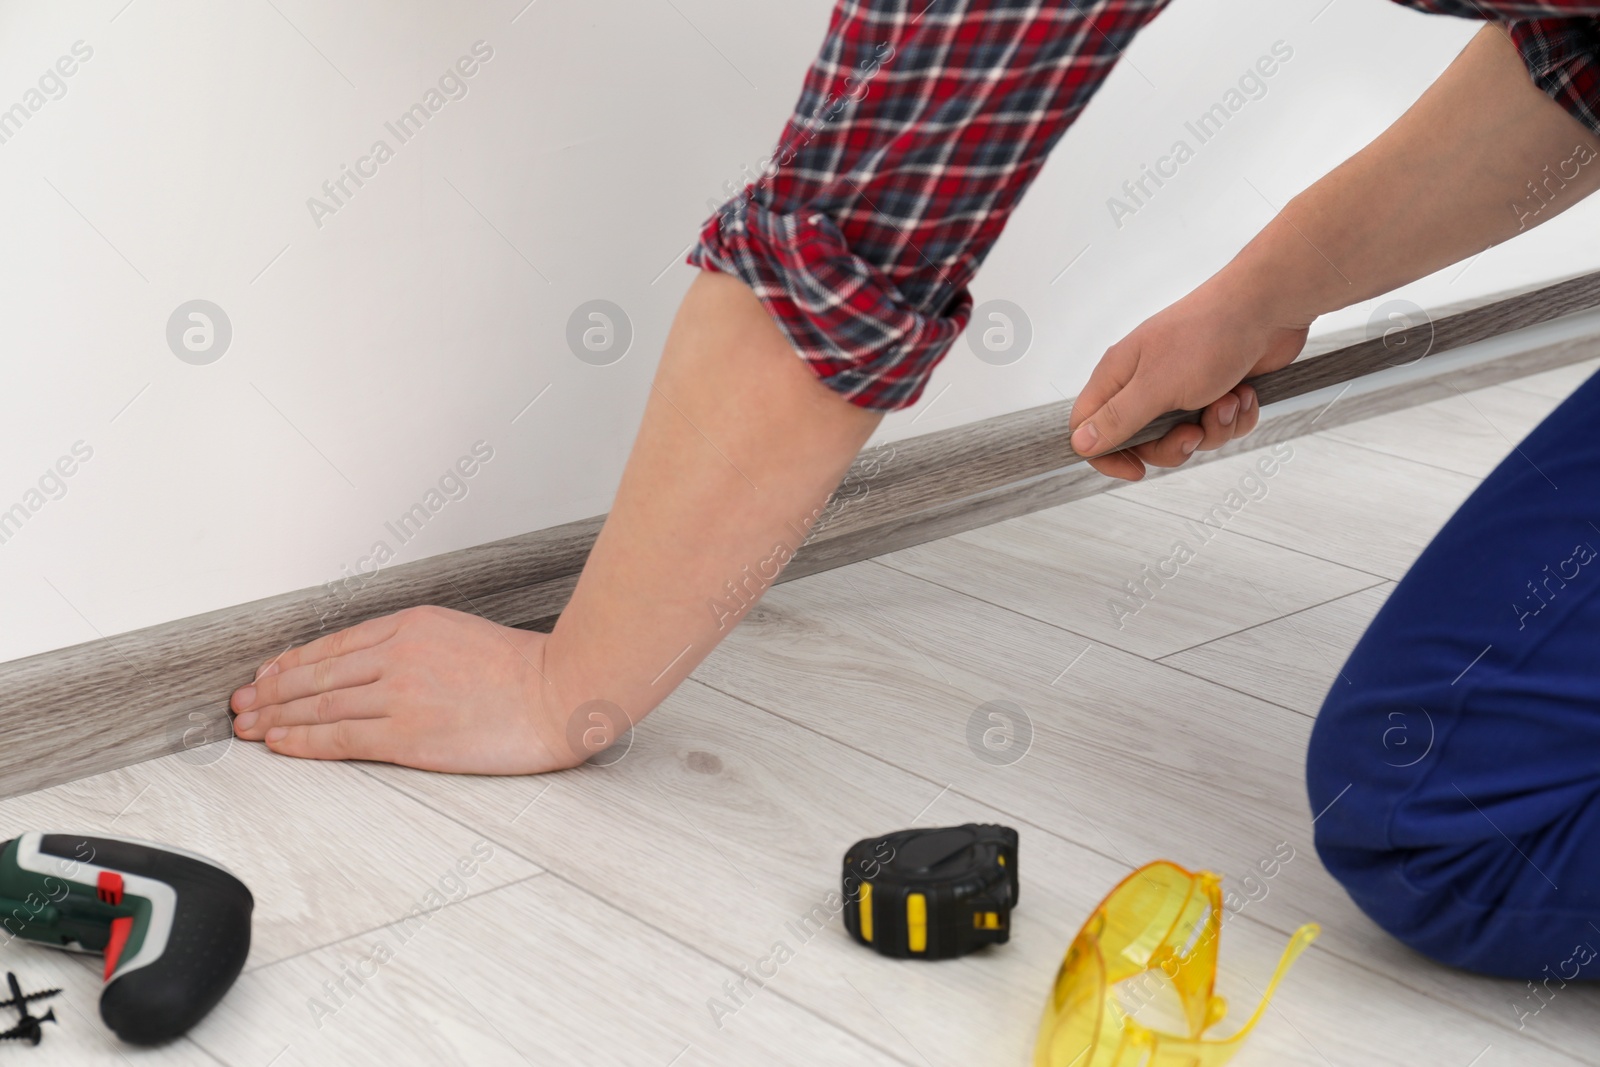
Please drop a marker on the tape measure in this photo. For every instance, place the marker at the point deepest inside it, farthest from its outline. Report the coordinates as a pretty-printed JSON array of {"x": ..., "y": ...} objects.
[{"x": 932, "y": 894}]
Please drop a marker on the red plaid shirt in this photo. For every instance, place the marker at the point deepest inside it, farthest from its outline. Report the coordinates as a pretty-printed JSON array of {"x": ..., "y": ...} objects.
[{"x": 920, "y": 126}]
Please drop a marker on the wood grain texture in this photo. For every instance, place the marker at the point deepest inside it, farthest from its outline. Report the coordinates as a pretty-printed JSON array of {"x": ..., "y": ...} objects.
[{"x": 169, "y": 684}]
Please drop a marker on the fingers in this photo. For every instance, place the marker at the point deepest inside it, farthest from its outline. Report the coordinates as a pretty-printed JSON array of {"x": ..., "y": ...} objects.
[
  {"x": 1230, "y": 417},
  {"x": 1174, "y": 449},
  {"x": 1249, "y": 411},
  {"x": 1218, "y": 420},
  {"x": 292, "y": 683},
  {"x": 360, "y": 702},
  {"x": 339, "y": 643},
  {"x": 370, "y": 739},
  {"x": 1124, "y": 465}
]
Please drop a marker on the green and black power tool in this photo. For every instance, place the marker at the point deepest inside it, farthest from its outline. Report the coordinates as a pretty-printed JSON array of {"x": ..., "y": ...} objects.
[{"x": 174, "y": 927}]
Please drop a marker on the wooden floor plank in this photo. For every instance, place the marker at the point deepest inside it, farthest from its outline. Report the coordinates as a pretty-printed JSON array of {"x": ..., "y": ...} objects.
[
  {"x": 1113, "y": 571},
  {"x": 1469, "y": 433},
  {"x": 1291, "y": 661},
  {"x": 1337, "y": 501}
]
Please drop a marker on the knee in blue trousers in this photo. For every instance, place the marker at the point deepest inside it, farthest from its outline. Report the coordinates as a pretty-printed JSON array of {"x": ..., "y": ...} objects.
[{"x": 1455, "y": 765}]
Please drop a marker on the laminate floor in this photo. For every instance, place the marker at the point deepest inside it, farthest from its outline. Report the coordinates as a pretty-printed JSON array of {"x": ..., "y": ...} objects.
[{"x": 615, "y": 913}]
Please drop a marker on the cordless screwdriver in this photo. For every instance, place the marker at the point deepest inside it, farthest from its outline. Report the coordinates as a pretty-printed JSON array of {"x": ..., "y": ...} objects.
[{"x": 174, "y": 927}]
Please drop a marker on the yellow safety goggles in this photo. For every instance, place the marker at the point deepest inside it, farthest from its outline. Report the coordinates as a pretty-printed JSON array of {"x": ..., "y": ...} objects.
[{"x": 1160, "y": 917}]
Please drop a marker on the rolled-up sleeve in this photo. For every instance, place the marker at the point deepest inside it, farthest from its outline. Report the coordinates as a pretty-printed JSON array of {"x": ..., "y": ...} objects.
[
  {"x": 1563, "y": 57},
  {"x": 919, "y": 128},
  {"x": 1559, "y": 41}
]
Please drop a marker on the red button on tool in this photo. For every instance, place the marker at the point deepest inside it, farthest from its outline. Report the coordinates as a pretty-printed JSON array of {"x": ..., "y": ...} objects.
[
  {"x": 120, "y": 929},
  {"x": 110, "y": 888}
]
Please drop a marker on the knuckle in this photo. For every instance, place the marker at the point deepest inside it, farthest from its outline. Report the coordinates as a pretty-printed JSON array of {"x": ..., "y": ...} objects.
[
  {"x": 268, "y": 691},
  {"x": 322, "y": 675},
  {"x": 326, "y": 708}
]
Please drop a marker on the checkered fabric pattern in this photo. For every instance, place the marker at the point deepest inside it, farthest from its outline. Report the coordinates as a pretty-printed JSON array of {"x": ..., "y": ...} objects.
[
  {"x": 920, "y": 126},
  {"x": 1559, "y": 41}
]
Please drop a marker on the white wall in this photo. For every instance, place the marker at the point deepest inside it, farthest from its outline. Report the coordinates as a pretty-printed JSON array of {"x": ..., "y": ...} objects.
[{"x": 370, "y": 352}]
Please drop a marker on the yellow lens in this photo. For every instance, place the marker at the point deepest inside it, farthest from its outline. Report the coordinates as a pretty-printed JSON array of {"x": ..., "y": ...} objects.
[
  {"x": 1153, "y": 906},
  {"x": 1190, "y": 955},
  {"x": 1070, "y": 1030},
  {"x": 1148, "y": 910}
]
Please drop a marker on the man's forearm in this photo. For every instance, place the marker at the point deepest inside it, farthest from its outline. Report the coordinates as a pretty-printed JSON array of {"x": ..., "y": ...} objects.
[
  {"x": 1483, "y": 155},
  {"x": 738, "y": 451}
]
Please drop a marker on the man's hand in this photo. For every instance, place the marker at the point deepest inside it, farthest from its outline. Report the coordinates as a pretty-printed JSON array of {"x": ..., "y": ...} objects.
[
  {"x": 1449, "y": 179},
  {"x": 1193, "y": 355},
  {"x": 425, "y": 687}
]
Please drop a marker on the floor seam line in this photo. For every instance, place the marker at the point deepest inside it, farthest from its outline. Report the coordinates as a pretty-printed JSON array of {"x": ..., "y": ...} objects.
[
  {"x": 393, "y": 922},
  {"x": 1274, "y": 544},
  {"x": 1244, "y": 693},
  {"x": 1267, "y": 622},
  {"x": 999, "y": 607},
  {"x": 1409, "y": 459}
]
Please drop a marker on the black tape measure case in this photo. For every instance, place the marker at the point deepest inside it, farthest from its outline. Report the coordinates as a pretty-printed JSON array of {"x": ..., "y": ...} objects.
[{"x": 932, "y": 894}]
